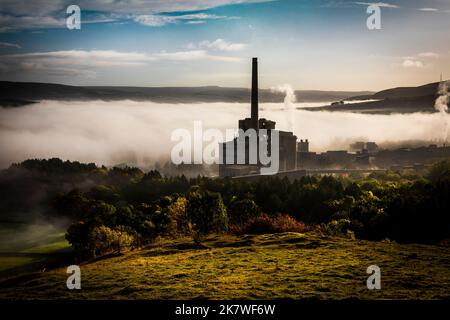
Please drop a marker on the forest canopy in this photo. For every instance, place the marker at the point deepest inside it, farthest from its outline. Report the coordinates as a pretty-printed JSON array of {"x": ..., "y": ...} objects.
[{"x": 113, "y": 208}]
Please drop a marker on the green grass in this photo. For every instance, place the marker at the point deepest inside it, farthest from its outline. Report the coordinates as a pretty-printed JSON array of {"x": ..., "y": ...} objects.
[
  {"x": 37, "y": 238},
  {"x": 10, "y": 262},
  {"x": 59, "y": 244},
  {"x": 26, "y": 247},
  {"x": 287, "y": 265}
]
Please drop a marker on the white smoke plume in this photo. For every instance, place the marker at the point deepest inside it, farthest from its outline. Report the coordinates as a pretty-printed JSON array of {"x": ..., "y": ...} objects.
[
  {"x": 441, "y": 105},
  {"x": 289, "y": 103}
]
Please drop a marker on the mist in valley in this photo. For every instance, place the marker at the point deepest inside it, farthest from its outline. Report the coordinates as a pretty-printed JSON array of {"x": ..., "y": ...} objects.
[{"x": 139, "y": 133}]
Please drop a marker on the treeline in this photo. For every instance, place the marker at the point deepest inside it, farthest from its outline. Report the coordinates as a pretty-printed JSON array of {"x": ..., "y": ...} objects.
[{"x": 125, "y": 207}]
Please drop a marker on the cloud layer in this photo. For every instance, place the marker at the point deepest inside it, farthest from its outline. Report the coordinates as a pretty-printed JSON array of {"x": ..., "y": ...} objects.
[{"x": 139, "y": 132}]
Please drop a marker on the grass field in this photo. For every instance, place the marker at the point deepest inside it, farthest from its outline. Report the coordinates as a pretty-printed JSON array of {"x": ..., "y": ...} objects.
[
  {"x": 26, "y": 247},
  {"x": 286, "y": 265}
]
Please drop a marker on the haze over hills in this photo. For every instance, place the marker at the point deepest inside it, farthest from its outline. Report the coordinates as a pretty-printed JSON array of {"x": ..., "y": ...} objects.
[{"x": 21, "y": 93}]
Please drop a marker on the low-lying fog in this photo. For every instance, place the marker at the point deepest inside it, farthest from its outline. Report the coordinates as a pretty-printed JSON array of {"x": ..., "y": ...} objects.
[{"x": 139, "y": 132}]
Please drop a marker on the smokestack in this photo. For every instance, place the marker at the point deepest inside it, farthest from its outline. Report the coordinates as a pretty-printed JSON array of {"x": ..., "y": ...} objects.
[{"x": 255, "y": 93}]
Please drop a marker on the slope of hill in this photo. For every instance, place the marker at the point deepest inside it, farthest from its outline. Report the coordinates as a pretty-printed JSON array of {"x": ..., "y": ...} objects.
[
  {"x": 395, "y": 100},
  {"x": 271, "y": 266},
  {"x": 429, "y": 89},
  {"x": 48, "y": 91}
]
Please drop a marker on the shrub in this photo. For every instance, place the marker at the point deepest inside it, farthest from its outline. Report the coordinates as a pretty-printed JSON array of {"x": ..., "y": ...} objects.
[{"x": 273, "y": 224}]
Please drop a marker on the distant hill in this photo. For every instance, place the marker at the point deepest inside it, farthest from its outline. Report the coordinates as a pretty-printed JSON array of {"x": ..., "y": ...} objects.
[
  {"x": 395, "y": 100},
  {"x": 12, "y": 103},
  {"x": 429, "y": 89},
  {"x": 30, "y": 91}
]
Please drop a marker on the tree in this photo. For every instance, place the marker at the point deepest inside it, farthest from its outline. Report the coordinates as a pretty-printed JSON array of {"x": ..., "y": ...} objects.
[
  {"x": 104, "y": 240},
  {"x": 240, "y": 211},
  {"x": 177, "y": 214},
  {"x": 206, "y": 213},
  {"x": 439, "y": 171},
  {"x": 78, "y": 235}
]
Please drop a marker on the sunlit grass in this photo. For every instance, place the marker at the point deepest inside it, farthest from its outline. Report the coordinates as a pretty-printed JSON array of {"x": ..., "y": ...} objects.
[{"x": 287, "y": 265}]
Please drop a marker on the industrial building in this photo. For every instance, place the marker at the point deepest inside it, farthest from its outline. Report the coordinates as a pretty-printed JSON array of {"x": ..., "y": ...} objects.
[
  {"x": 296, "y": 159},
  {"x": 287, "y": 141}
]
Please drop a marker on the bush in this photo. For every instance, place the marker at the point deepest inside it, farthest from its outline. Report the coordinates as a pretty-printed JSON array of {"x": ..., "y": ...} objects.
[{"x": 273, "y": 224}]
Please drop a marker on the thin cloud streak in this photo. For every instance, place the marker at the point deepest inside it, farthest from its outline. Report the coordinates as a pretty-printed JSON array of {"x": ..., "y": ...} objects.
[
  {"x": 10, "y": 45},
  {"x": 86, "y": 63},
  {"x": 222, "y": 45},
  {"x": 379, "y": 4},
  {"x": 154, "y": 20}
]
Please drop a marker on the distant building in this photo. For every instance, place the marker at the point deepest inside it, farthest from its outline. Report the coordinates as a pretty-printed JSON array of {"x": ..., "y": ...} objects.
[
  {"x": 361, "y": 145},
  {"x": 303, "y": 146}
]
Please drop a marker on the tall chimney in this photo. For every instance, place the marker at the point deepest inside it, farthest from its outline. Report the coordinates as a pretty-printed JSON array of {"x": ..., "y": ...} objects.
[{"x": 255, "y": 93}]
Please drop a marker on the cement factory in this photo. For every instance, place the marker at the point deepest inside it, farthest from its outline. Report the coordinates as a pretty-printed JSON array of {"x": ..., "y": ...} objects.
[{"x": 296, "y": 159}]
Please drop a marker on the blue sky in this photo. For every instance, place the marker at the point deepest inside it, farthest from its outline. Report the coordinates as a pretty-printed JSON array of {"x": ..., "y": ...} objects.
[{"x": 322, "y": 44}]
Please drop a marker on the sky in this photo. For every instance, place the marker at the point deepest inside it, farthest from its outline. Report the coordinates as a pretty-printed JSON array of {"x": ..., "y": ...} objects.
[{"x": 322, "y": 44}]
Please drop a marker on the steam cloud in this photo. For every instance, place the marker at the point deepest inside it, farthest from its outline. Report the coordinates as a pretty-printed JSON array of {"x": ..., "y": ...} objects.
[
  {"x": 138, "y": 133},
  {"x": 289, "y": 101},
  {"x": 441, "y": 105}
]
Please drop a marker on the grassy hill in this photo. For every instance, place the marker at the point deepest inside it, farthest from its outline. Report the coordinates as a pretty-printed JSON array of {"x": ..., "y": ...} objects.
[{"x": 285, "y": 265}]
